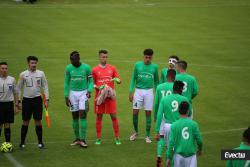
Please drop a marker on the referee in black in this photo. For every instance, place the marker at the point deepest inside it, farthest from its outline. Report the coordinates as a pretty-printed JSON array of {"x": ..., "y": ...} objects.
[
  {"x": 33, "y": 82},
  {"x": 7, "y": 98}
]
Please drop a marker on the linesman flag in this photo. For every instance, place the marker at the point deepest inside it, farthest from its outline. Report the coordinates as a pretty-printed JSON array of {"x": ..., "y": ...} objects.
[{"x": 47, "y": 118}]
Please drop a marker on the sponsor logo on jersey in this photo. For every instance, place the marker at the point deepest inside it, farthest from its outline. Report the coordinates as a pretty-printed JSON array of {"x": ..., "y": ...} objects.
[{"x": 146, "y": 75}]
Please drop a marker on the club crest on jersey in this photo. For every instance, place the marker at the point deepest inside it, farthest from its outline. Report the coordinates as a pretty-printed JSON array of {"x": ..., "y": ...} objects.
[
  {"x": 109, "y": 71},
  {"x": 38, "y": 82}
]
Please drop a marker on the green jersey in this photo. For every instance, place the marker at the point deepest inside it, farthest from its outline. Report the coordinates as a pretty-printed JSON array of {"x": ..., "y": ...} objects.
[
  {"x": 190, "y": 89},
  {"x": 144, "y": 76},
  {"x": 239, "y": 163},
  {"x": 164, "y": 72},
  {"x": 162, "y": 90},
  {"x": 77, "y": 79},
  {"x": 184, "y": 138},
  {"x": 169, "y": 108}
]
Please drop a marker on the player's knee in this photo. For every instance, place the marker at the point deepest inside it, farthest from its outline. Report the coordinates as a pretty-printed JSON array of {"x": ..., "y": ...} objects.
[
  {"x": 26, "y": 123},
  {"x": 83, "y": 114},
  {"x": 38, "y": 122},
  {"x": 7, "y": 125}
]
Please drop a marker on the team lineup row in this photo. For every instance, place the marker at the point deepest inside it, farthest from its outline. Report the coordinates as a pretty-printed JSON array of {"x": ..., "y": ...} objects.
[{"x": 172, "y": 102}]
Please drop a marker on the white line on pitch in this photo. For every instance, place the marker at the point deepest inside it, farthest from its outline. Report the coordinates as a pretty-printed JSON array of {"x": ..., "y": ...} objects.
[
  {"x": 13, "y": 160},
  {"x": 142, "y": 138}
]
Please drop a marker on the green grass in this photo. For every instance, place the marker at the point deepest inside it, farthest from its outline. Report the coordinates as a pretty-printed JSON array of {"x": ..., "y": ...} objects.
[{"x": 212, "y": 35}]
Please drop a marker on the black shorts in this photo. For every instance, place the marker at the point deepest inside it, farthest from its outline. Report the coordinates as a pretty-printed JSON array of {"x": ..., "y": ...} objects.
[
  {"x": 32, "y": 106},
  {"x": 6, "y": 112}
]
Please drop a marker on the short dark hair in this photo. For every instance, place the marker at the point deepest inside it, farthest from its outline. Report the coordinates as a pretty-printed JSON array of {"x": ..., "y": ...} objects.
[
  {"x": 103, "y": 51},
  {"x": 183, "y": 108},
  {"x": 73, "y": 54},
  {"x": 174, "y": 57},
  {"x": 171, "y": 72},
  {"x": 3, "y": 63},
  {"x": 178, "y": 86},
  {"x": 32, "y": 58},
  {"x": 148, "y": 52},
  {"x": 246, "y": 134},
  {"x": 183, "y": 64}
]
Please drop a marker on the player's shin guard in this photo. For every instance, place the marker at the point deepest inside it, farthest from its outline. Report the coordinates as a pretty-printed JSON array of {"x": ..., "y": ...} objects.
[
  {"x": 98, "y": 126},
  {"x": 148, "y": 125},
  {"x": 135, "y": 122},
  {"x": 39, "y": 133},
  {"x": 160, "y": 146},
  {"x": 115, "y": 127},
  {"x": 75, "y": 125},
  {"x": 83, "y": 128},
  {"x": 7, "y": 134},
  {"x": 24, "y": 131}
]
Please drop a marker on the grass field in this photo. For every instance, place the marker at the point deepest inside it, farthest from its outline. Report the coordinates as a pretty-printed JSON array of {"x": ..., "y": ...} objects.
[{"x": 212, "y": 35}]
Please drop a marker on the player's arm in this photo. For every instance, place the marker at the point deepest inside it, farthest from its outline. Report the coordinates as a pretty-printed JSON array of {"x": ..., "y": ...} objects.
[
  {"x": 195, "y": 89},
  {"x": 156, "y": 78},
  {"x": 198, "y": 138},
  {"x": 19, "y": 91},
  {"x": 159, "y": 117},
  {"x": 116, "y": 76},
  {"x": 132, "y": 84},
  {"x": 66, "y": 86},
  {"x": 90, "y": 82},
  {"x": 162, "y": 77},
  {"x": 156, "y": 103},
  {"x": 45, "y": 88},
  {"x": 15, "y": 95},
  {"x": 170, "y": 149}
]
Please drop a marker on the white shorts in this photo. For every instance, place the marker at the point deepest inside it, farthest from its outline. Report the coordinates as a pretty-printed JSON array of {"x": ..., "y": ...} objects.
[
  {"x": 162, "y": 126},
  {"x": 166, "y": 131},
  {"x": 180, "y": 161},
  {"x": 143, "y": 98},
  {"x": 78, "y": 100}
]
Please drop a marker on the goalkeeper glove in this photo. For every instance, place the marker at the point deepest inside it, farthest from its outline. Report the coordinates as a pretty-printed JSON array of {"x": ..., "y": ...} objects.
[
  {"x": 117, "y": 80},
  {"x": 101, "y": 87}
]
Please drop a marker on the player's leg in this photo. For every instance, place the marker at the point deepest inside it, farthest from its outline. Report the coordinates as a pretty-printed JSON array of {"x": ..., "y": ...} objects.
[
  {"x": 37, "y": 115},
  {"x": 137, "y": 105},
  {"x": 83, "y": 128},
  {"x": 115, "y": 128},
  {"x": 82, "y": 98},
  {"x": 26, "y": 116},
  {"x": 148, "y": 99},
  {"x": 1, "y": 125},
  {"x": 98, "y": 128},
  {"x": 191, "y": 161},
  {"x": 160, "y": 144},
  {"x": 9, "y": 118},
  {"x": 75, "y": 126},
  {"x": 178, "y": 160}
]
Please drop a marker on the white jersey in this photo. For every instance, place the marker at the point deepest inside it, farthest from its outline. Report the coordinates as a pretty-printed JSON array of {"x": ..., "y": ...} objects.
[
  {"x": 33, "y": 83},
  {"x": 7, "y": 89}
]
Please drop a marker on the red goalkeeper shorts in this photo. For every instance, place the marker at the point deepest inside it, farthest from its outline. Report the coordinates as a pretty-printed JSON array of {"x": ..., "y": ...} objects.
[{"x": 107, "y": 107}]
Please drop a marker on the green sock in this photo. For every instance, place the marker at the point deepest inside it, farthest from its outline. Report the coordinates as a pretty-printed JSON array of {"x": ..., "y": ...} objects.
[
  {"x": 75, "y": 125},
  {"x": 160, "y": 146},
  {"x": 135, "y": 122},
  {"x": 83, "y": 128},
  {"x": 148, "y": 125}
]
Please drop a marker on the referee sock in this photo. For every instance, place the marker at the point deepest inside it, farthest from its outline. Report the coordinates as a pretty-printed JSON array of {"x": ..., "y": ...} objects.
[
  {"x": 98, "y": 126},
  {"x": 24, "y": 131},
  {"x": 148, "y": 125},
  {"x": 75, "y": 125},
  {"x": 135, "y": 122},
  {"x": 39, "y": 133},
  {"x": 7, "y": 134},
  {"x": 83, "y": 128},
  {"x": 115, "y": 127},
  {"x": 160, "y": 146}
]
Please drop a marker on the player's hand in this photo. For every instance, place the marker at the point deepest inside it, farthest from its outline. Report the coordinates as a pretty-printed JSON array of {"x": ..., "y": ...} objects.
[
  {"x": 117, "y": 80},
  {"x": 157, "y": 137},
  {"x": 101, "y": 87},
  {"x": 168, "y": 163},
  {"x": 199, "y": 153},
  {"x": 67, "y": 101},
  {"x": 88, "y": 95},
  {"x": 46, "y": 104},
  {"x": 131, "y": 96},
  {"x": 19, "y": 105}
]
